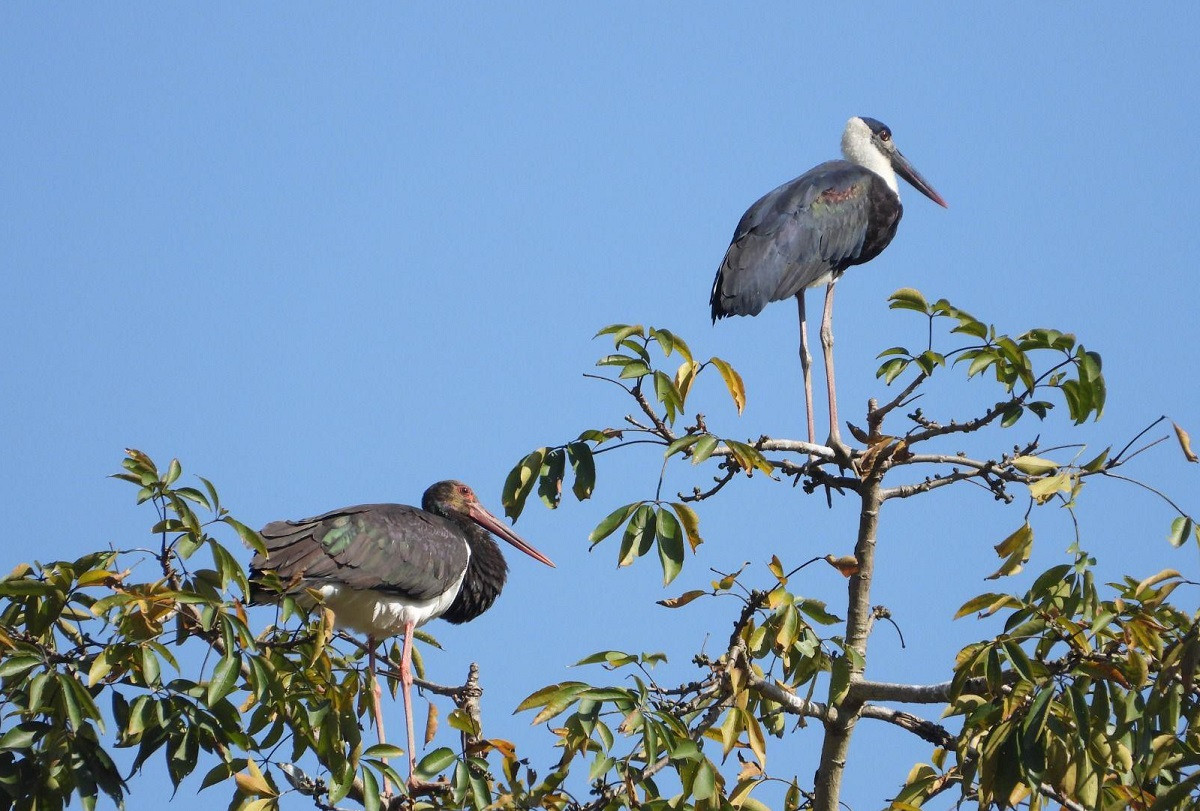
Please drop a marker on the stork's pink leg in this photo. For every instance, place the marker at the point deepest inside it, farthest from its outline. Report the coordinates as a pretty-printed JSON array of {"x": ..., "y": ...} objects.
[
  {"x": 406, "y": 681},
  {"x": 806, "y": 369},
  {"x": 843, "y": 457}
]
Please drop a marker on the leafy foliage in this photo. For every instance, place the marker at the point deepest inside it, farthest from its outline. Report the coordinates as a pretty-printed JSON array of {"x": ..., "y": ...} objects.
[{"x": 1087, "y": 697}]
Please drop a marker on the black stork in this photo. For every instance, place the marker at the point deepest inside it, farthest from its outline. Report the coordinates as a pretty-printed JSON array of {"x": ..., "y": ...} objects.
[
  {"x": 808, "y": 231},
  {"x": 385, "y": 569}
]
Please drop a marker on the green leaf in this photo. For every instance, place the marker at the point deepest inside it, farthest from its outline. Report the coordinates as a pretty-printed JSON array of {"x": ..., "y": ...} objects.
[
  {"x": 704, "y": 448},
  {"x": 583, "y": 467},
  {"x": 616, "y": 360},
  {"x": 980, "y": 362},
  {"x": 1019, "y": 660},
  {"x": 248, "y": 536},
  {"x": 1181, "y": 528},
  {"x": 1097, "y": 462},
  {"x": 609, "y": 658},
  {"x": 639, "y": 535},
  {"x": 683, "y": 443},
  {"x": 839, "y": 680},
  {"x": 383, "y": 750},
  {"x": 435, "y": 762},
  {"x": 22, "y": 736},
  {"x": 633, "y": 369},
  {"x": 18, "y": 664},
  {"x": 150, "y": 666},
  {"x": 906, "y": 298},
  {"x": 704, "y": 787},
  {"x": 670, "y": 545},
  {"x": 987, "y": 604},
  {"x": 25, "y": 587},
  {"x": 1178, "y": 795},
  {"x": 816, "y": 611},
  {"x": 929, "y": 360},
  {"x": 970, "y": 326},
  {"x": 892, "y": 369},
  {"x": 370, "y": 790},
  {"x": 733, "y": 382},
  {"x": 520, "y": 482},
  {"x": 224, "y": 677},
  {"x": 670, "y": 341},
  {"x": 668, "y": 395},
  {"x": 610, "y": 523},
  {"x": 551, "y": 476},
  {"x": 625, "y": 331},
  {"x": 553, "y": 692}
]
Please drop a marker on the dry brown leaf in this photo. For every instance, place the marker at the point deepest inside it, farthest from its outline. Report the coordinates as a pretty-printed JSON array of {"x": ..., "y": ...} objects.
[{"x": 1185, "y": 442}]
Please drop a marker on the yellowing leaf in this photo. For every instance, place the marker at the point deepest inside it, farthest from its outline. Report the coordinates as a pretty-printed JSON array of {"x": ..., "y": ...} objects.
[
  {"x": 682, "y": 599},
  {"x": 1034, "y": 465},
  {"x": 684, "y": 377},
  {"x": 690, "y": 522},
  {"x": 253, "y": 782},
  {"x": 1043, "y": 490},
  {"x": 431, "y": 723},
  {"x": 1015, "y": 549},
  {"x": 733, "y": 382}
]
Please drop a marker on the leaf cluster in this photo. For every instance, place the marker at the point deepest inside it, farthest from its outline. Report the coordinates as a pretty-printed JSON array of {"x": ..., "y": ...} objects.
[{"x": 1094, "y": 698}]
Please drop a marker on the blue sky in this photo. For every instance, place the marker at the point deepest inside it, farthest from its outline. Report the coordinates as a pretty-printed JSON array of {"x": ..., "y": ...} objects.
[{"x": 329, "y": 255}]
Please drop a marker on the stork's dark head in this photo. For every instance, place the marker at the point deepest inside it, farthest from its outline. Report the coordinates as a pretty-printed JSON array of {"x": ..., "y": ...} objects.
[
  {"x": 457, "y": 502},
  {"x": 868, "y": 142}
]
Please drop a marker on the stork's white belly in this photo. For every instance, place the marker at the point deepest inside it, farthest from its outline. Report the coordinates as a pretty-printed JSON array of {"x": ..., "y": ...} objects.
[{"x": 378, "y": 614}]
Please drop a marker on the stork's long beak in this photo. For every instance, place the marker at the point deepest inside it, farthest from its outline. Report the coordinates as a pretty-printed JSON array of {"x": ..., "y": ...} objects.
[
  {"x": 906, "y": 171},
  {"x": 501, "y": 530}
]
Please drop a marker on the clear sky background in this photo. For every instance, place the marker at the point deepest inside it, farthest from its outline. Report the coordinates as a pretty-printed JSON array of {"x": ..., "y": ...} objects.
[{"x": 330, "y": 254}]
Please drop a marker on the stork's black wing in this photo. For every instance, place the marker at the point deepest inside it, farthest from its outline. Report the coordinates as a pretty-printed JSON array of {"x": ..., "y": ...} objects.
[
  {"x": 817, "y": 224},
  {"x": 383, "y": 547}
]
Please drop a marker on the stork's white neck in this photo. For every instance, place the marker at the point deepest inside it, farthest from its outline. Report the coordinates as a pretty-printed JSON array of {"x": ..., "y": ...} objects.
[{"x": 859, "y": 147}]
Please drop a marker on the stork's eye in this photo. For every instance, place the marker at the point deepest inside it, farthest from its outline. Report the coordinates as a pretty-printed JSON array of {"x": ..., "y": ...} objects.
[{"x": 885, "y": 135}]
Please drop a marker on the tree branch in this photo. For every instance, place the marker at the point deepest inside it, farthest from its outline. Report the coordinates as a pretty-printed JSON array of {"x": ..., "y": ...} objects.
[{"x": 907, "y": 693}]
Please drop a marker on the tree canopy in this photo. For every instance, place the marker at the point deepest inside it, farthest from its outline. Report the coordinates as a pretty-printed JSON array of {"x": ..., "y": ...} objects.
[{"x": 132, "y": 657}]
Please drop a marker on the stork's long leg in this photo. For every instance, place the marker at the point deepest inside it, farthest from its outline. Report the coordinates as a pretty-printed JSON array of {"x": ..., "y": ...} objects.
[
  {"x": 406, "y": 681},
  {"x": 835, "y": 437},
  {"x": 806, "y": 369}
]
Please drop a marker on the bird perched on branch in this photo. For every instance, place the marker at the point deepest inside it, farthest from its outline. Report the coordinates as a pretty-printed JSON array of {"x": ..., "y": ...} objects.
[
  {"x": 385, "y": 569},
  {"x": 808, "y": 231}
]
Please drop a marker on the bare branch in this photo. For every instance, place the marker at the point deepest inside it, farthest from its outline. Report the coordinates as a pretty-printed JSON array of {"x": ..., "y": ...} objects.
[
  {"x": 1138, "y": 436},
  {"x": 1145, "y": 486},
  {"x": 907, "y": 693},
  {"x": 935, "y": 734},
  {"x": 876, "y": 416},
  {"x": 660, "y": 427}
]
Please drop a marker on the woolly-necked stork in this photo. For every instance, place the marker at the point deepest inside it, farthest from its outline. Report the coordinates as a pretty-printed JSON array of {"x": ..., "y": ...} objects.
[{"x": 809, "y": 230}]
